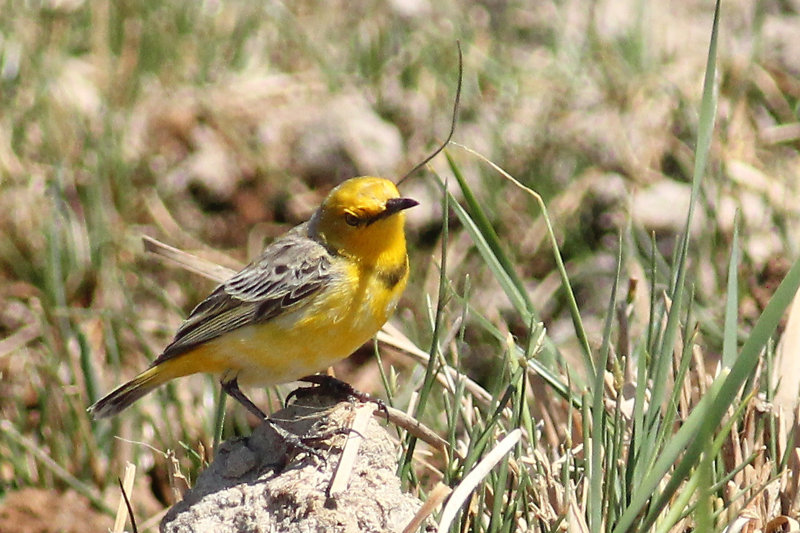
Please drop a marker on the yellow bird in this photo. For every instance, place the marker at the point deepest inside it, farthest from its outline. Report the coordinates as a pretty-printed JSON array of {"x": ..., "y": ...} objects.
[{"x": 313, "y": 296}]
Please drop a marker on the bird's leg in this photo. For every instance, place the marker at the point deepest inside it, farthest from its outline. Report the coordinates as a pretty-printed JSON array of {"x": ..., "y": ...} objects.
[
  {"x": 231, "y": 387},
  {"x": 334, "y": 387}
]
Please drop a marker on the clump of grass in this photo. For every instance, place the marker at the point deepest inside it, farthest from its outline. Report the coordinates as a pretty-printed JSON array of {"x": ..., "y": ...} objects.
[
  {"x": 599, "y": 361},
  {"x": 656, "y": 459}
]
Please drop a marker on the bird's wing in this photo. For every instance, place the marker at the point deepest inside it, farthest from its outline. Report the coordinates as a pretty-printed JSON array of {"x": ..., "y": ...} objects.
[{"x": 288, "y": 273}]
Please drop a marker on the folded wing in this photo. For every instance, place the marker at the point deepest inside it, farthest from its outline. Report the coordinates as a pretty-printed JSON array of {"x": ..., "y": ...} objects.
[{"x": 286, "y": 275}]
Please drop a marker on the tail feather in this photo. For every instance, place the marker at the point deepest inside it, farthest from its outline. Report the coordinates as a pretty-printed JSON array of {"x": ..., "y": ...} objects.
[{"x": 124, "y": 395}]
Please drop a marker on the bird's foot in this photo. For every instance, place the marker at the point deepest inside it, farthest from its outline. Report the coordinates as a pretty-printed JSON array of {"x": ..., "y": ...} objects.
[{"x": 334, "y": 387}]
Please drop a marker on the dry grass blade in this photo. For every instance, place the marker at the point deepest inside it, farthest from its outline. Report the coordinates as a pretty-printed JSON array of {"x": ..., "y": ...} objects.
[
  {"x": 435, "y": 498},
  {"x": 782, "y": 523},
  {"x": 577, "y": 522},
  {"x": 393, "y": 337},
  {"x": 786, "y": 372},
  {"x": 475, "y": 477},
  {"x": 415, "y": 427},
  {"x": 123, "y": 509},
  {"x": 59, "y": 471},
  {"x": 188, "y": 261},
  {"x": 19, "y": 338},
  {"x": 346, "y": 461}
]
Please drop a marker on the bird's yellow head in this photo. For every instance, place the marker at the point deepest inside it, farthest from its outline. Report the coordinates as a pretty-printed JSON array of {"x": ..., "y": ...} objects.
[{"x": 363, "y": 218}]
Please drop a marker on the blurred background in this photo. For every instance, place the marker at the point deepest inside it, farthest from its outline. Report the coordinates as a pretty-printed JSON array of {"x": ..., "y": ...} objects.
[{"x": 216, "y": 125}]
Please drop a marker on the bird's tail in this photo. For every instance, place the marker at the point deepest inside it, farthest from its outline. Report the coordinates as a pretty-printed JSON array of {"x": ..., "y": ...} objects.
[{"x": 124, "y": 395}]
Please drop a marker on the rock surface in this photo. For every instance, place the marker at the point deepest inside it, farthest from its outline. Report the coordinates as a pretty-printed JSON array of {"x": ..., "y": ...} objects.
[{"x": 254, "y": 485}]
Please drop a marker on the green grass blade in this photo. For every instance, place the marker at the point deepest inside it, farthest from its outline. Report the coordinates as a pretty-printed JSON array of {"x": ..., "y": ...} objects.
[
  {"x": 575, "y": 314},
  {"x": 729, "y": 338},
  {"x": 689, "y": 333},
  {"x": 492, "y": 261},
  {"x": 705, "y": 129},
  {"x": 596, "y": 501},
  {"x": 482, "y": 223}
]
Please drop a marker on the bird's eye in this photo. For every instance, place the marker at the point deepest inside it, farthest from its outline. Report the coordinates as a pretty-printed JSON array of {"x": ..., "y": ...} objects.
[{"x": 351, "y": 219}]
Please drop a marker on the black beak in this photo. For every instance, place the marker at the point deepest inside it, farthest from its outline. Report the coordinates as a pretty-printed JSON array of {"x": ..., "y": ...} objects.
[{"x": 393, "y": 205}]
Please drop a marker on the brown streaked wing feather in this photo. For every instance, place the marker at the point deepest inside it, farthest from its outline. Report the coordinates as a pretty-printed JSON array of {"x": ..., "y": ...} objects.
[{"x": 289, "y": 271}]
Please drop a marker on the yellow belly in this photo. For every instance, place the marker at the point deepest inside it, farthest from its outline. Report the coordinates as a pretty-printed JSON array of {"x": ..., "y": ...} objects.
[{"x": 332, "y": 325}]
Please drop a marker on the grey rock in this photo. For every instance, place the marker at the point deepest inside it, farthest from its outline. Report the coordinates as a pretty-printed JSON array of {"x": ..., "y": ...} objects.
[{"x": 256, "y": 485}]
